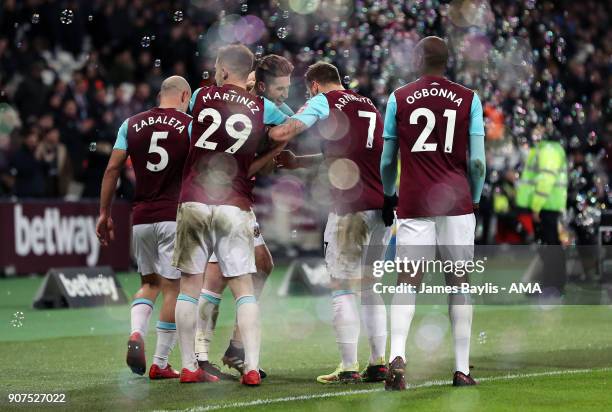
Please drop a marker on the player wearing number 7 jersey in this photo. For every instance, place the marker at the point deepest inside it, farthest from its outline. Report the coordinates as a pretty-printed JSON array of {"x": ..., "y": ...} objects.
[
  {"x": 215, "y": 204},
  {"x": 157, "y": 142},
  {"x": 355, "y": 234},
  {"x": 437, "y": 126}
]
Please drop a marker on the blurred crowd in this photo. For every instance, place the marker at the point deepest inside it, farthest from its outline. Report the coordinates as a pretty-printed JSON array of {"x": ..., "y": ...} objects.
[{"x": 72, "y": 71}]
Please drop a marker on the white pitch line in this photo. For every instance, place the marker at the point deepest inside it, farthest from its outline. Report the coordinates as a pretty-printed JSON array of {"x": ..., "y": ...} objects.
[{"x": 373, "y": 390}]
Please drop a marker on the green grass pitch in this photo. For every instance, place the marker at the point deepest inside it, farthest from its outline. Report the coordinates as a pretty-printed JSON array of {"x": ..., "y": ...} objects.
[{"x": 527, "y": 358}]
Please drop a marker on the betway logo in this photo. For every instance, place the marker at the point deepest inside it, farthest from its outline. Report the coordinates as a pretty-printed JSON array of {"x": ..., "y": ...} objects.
[
  {"x": 54, "y": 234},
  {"x": 82, "y": 285}
]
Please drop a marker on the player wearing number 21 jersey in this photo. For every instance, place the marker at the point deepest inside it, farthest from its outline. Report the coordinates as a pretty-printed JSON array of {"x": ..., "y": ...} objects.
[
  {"x": 437, "y": 126},
  {"x": 215, "y": 205},
  {"x": 351, "y": 128}
]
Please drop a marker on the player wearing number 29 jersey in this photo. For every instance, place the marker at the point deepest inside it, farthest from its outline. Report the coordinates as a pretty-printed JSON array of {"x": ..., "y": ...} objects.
[
  {"x": 227, "y": 130},
  {"x": 214, "y": 215}
]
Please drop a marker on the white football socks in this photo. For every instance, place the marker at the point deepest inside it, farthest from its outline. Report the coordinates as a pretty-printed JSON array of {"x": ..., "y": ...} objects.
[
  {"x": 166, "y": 339},
  {"x": 374, "y": 316},
  {"x": 346, "y": 325},
  {"x": 140, "y": 315},
  {"x": 186, "y": 313},
  {"x": 460, "y": 312},
  {"x": 259, "y": 281},
  {"x": 247, "y": 314},
  {"x": 208, "y": 310},
  {"x": 402, "y": 312}
]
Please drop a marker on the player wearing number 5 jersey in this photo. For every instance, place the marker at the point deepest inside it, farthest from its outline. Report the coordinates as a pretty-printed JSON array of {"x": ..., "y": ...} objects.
[
  {"x": 215, "y": 204},
  {"x": 355, "y": 233},
  {"x": 157, "y": 142},
  {"x": 437, "y": 126}
]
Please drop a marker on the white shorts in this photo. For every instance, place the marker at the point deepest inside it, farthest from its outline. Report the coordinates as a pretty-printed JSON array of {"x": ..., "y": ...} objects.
[
  {"x": 226, "y": 231},
  {"x": 454, "y": 236},
  {"x": 353, "y": 241},
  {"x": 258, "y": 240},
  {"x": 153, "y": 245}
]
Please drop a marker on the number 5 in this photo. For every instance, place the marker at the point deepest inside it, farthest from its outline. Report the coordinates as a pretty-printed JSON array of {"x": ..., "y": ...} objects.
[
  {"x": 163, "y": 154},
  {"x": 371, "y": 116}
]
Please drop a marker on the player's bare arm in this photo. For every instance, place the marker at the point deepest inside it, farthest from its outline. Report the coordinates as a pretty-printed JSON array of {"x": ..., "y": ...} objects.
[
  {"x": 265, "y": 162},
  {"x": 288, "y": 160},
  {"x": 104, "y": 227},
  {"x": 287, "y": 130}
]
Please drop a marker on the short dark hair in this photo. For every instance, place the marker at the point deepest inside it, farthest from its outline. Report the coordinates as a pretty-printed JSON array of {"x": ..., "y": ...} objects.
[
  {"x": 271, "y": 66},
  {"x": 324, "y": 73},
  {"x": 238, "y": 58}
]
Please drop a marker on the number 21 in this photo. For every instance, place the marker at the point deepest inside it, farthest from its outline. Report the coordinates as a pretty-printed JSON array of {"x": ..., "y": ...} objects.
[{"x": 420, "y": 145}]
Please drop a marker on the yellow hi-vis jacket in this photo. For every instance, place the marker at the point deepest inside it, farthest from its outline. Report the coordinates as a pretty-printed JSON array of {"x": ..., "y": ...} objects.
[{"x": 543, "y": 184}]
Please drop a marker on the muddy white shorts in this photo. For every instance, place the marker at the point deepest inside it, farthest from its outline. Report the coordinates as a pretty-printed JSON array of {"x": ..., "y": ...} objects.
[
  {"x": 353, "y": 241},
  {"x": 226, "y": 231},
  {"x": 258, "y": 240}
]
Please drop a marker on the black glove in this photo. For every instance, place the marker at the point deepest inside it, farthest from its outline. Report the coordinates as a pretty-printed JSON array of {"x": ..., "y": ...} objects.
[{"x": 387, "y": 211}]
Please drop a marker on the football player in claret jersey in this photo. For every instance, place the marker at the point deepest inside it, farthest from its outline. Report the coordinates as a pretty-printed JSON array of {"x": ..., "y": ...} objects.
[
  {"x": 437, "y": 126},
  {"x": 355, "y": 232},
  {"x": 157, "y": 142},
  {"x": 215, "y": 214},
  {"x": 270, "y": 79}
]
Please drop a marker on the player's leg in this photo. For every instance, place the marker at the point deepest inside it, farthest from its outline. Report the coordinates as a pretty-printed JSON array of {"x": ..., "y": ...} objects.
[
  {"x": 191, "y": 253},
  {"x": 233, "y": 233},
  {"x": 373, "y": 308},
  {"x": 234, "y": 354},
  {"x": 140, "y": 315},
  {"x": 455, "y": 235},
  {"x": 208, "y": 311},
  {"x": 247, "y": 315},
  {"x": 343, "y": 240},
  {"x": 145, "y": 251},
  {"x": 170, "y": 284},
  {"x": 415, "y": 240},
  {"x": 166, "y": 331}
]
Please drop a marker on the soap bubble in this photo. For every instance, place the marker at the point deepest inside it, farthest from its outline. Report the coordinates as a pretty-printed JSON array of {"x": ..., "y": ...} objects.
[
  {"x": 282, "y": 32},
  {"x": 66, "y": 16},
  {"x": 17, "y": 320}
]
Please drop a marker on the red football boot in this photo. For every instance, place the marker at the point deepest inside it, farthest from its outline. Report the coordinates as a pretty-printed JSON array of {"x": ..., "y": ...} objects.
[
  {"x": 251, "y": 378},
  {"x": 167, "y": 373},
  {"x": 199, "y": 375},
  {"x": 136, "y": 354},
  {"x": 461, "y": 379}
]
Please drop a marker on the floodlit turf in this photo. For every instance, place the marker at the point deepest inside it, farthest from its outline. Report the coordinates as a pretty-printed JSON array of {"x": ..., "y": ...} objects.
[{"x": 518, "y": 351}]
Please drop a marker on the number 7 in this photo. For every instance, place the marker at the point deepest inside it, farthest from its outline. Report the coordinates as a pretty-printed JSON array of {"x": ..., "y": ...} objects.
[{"x": 371, "y": 116}]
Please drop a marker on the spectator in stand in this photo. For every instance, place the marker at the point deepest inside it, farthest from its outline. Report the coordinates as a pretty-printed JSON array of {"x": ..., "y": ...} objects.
[
  {"x": 54, "y": 155},
  {"x": 28, "y": 171}
]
